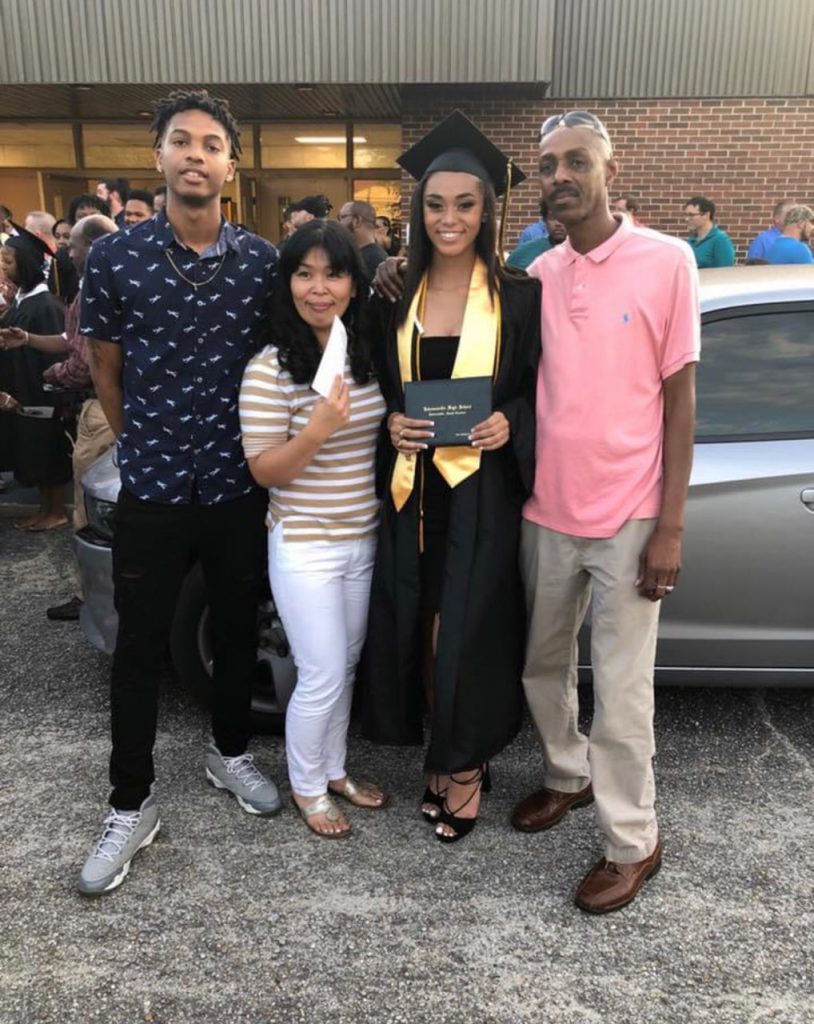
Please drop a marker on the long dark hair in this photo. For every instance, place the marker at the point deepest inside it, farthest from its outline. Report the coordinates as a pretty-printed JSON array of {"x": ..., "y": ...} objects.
[
  {"x": 30, "y": 265},
  {"x": 420, "y": 251},
  {"x": 298, "y": 350}
]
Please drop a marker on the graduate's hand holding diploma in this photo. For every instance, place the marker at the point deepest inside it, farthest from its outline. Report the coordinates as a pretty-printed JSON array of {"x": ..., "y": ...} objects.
[
  {"x": 491, "y": 434},
  {"x": 406, "y": 434}
]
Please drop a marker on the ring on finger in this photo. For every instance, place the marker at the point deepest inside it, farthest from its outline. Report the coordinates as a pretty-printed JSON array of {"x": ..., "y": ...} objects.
[{"x": 669, "y": 590}]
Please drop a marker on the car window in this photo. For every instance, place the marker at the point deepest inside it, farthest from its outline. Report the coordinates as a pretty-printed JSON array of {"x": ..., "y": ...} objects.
[{"x": 756, "y": 375}]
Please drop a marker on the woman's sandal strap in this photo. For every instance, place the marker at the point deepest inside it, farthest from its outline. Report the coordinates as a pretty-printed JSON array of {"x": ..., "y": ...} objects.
[
  {"x": 325, "y": 806},
  {"x": 352, "y": 790}
]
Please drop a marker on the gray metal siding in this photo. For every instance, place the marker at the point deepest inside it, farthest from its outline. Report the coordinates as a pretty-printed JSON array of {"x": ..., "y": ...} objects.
[
  {"x": 667, "y": 48},
  {"x": 330, "y": 41}
]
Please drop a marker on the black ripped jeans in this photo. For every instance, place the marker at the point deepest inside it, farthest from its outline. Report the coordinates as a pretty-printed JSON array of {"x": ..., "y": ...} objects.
[{"x": 153, "y": 549}]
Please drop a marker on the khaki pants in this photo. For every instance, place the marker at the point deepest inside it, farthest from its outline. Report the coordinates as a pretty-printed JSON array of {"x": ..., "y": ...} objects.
[
  {"x": 561, "y": 573},
  {"x": 93, "y": 438}
]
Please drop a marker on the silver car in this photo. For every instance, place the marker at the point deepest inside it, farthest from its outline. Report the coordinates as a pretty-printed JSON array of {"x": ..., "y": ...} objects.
[{"x": 744, "y": 611}]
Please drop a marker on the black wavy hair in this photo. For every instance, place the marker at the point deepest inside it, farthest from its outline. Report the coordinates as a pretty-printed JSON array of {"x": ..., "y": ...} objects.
[
  {"x": 420, "y": 251},
  {"x": 196, "y": 99},
  {"x": 298, "y": 350},
  {"x": 87, "y": 200}
]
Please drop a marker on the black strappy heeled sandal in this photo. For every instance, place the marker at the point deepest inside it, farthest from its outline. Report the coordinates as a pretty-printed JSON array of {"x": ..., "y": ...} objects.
[
  {"x": 482, "y": 780},
  {"x": 437, "y": 800}
]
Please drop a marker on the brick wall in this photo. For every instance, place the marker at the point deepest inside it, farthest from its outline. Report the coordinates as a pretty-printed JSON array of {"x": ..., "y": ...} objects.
[{"x": 743, "y": 154}]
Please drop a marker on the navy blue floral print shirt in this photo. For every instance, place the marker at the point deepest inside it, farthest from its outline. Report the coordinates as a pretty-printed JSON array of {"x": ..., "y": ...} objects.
[{"x": 188, "y": 325}]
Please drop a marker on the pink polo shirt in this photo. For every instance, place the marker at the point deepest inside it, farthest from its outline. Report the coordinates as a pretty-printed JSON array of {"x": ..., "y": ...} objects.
[{"x": 616, "y": 322}]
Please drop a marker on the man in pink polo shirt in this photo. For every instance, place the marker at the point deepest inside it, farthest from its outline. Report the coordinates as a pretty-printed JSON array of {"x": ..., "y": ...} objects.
[{"x": 615, "y": 422}]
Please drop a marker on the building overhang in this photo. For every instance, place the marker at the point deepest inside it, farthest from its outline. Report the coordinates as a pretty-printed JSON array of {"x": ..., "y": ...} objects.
[{"x": 280, "y": 42}]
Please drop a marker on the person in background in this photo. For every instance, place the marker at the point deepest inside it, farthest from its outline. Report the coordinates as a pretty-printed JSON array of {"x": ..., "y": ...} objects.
[
  {"x": 62, "y": 233},
  {"x": 6, "y": 223},
  {"x": 159, "y": 198},
  {"x": 794, "y": 243},
  {"x": 171, "y": 310},
  {"x": 62, "y": 277},
  {"x": 7, "y": 288},
  {"x": 35, "y": 447},
  {"x": 614, "y": 442},
  {"x": 760, "y": 245},
  {"x": 309, "y": 208},
  {"x": 385, "y": 236},
  {"x": 41, "y": 224},
  {"x": 628, "y": 204},
  {"x": 446, "y": 621},
  {"x": 288, "y": 228},
  {"x": 528, "y": 252},
  {"x": 114, "y": 192},
  {"x": 93, "y": 433},
  {"x": 138, "y": 208},
  {"x": 360, "y": 219},
  {"x": 711, "y": 245},
  {"x": 86, "y": 206},
  {"x": 316, "y": 457},
  {"x": 534, "y": 231}
]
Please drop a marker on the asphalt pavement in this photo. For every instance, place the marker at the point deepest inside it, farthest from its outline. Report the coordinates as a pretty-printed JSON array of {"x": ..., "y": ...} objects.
[{"x": 230, "y": 919}]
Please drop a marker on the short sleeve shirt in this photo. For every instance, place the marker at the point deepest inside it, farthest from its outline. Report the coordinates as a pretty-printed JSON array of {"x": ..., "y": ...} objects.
[
  {"x": 616, "y": 322},
  {"x": 187, "y": 325},
  {"x": 334, "y": 498},
  {"x": 789, "y": 250}
]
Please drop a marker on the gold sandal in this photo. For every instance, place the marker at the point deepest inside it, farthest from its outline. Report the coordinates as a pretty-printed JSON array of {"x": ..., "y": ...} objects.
[
  {"x": 352, "y": 790},
  {"x": 323, "y": 805}
]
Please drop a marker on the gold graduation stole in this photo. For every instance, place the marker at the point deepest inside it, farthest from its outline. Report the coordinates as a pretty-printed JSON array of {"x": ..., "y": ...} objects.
[{"x": 478, "y": 356}]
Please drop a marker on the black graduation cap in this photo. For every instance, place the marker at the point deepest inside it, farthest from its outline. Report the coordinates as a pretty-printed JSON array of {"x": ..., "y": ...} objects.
[
  {"x": 456, "y": 144},
  {"x": 28, "y": 242}
]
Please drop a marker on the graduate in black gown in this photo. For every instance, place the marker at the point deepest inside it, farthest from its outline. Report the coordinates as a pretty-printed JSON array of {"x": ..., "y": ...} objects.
[
  {"x": 447, "y": 618},
  {"x": 35, "y": 448}
]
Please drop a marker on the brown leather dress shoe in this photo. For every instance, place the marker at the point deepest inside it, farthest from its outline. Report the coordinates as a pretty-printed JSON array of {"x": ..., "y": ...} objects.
[
  {"x": 546, "y": 807},
  {"x": 609, "y": 886}
]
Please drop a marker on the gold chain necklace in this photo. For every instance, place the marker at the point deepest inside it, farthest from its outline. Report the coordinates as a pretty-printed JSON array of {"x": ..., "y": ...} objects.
[{"x": 195, "y": 284}]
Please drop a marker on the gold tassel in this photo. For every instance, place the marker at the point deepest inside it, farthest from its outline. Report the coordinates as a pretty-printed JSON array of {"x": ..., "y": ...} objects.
[{"x": 504, "y": 214}]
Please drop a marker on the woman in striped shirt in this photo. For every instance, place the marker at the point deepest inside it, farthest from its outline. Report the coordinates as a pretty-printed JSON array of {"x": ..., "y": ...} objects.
[{"x": 316, "y": 457}]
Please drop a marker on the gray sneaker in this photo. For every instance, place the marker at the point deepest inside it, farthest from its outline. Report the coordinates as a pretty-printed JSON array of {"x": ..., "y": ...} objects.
[
  {"x": 123, "y": 835},
  {"x": 239, "y": 775}
]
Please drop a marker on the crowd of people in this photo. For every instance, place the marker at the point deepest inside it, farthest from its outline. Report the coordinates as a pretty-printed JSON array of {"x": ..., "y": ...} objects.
[
  {"x": 787, "y": 240},
  {"x": 450, "y": 576}
]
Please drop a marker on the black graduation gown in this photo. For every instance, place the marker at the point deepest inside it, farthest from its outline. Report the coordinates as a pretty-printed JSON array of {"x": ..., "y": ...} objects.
[
  {"x": 479, "y": 658},
  {"x": 37, "y": 450}
]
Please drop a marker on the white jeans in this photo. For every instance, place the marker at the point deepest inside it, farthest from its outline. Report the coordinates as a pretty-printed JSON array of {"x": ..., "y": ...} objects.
[{"x": 322, "y": 591}]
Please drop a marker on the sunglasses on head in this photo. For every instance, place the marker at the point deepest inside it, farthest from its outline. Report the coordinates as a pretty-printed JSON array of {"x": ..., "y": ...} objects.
[{"x": 574, "y": 119}]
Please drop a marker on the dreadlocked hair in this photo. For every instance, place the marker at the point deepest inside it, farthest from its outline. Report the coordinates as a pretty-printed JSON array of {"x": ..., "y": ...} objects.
[{"x": 195, "y": 99}]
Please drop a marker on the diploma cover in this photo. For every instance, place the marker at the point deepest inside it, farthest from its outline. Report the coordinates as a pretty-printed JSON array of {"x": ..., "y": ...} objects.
[{"x": 455, "y": 406}]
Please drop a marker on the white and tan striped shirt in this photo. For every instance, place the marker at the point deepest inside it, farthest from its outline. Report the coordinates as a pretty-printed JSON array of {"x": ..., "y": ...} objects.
[{"x": 334, "y": 498}]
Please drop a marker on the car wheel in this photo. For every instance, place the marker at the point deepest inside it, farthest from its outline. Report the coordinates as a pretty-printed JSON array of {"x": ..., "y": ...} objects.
[{"x": 191, "y": 648}]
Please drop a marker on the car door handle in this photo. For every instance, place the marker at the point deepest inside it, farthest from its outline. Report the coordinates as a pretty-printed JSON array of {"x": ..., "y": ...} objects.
[{"x": 807, "y": 497}]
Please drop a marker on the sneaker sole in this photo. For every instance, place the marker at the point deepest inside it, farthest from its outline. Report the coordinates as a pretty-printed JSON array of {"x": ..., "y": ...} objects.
[
  {"x": 125, "y": 870},
  {"x": 215, "y": 783}
]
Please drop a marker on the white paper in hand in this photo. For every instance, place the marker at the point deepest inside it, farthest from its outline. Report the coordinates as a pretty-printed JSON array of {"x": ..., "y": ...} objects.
[{"x": 333, "y": 359}]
